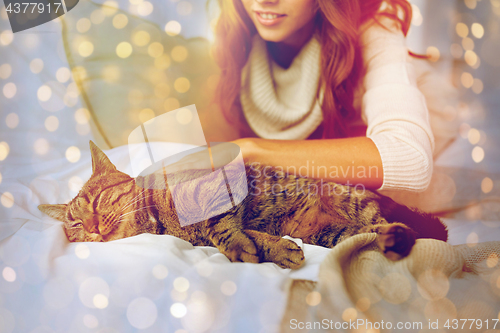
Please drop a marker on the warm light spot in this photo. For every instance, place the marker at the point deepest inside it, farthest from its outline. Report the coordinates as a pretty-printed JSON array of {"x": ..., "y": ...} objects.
[
  {"x": 44, "y": 93},
  {"x": 110, "y": 7},
  {"x": 120, "y": 21},
  {"x": 85, "y": 48},
  {"x": 135, "y": 2},
  {"x": 313, "y": 298},
  {"x": 433, "y": 53},
  {"x": 182, "y": 85},
  {"x": 228, "y": 288},
  {"x": 363, "y": 304},
  {"x": 9, "y": 274},
  {"x": 349, "y": 314},
  {"x": 97, "y": 16},
  {"x": 9, "y": 90},
  {"x": 7, "y": 199},
  {"x": 477, "y": 86},
  {"x": 179, "y": 53},
  {"x": 417, "y": 18},
  {"x": 41, "y": 146},
  {"x": 477, "y": 154},
  {"x": 141, "y": 38},
  {"x": 462, "y": 29},
  {"x": 472, "y": 239},
  {"x": 82, "y": 251},
  {"x": 395, "y": 288},
  {"x": 90, "y": 321},
  {"x": 100, "y": 301},
  {"x": 36, "y": 66},
  {"x": 495, "y": 4},
  {"x": 181, "y": 284},
  {"x": 146, "y": 114},
  {"x": 124, "y": 50},
  {"x": 171, "y": 104},
  {"x": 4, "y": 150},
  {"x": 477, "y": 30},
  {"x": 73, "y": 154},
  {"x": 6, "y": 37},
  {"x": 12, "y": 120},
  {"x": 111, "y": 73},
  {"x": 471, "y": 4},
  {"x": 0, "y": 178},
  {"x": 486, "y": 185},
  {"x": 468, "y": 44},
  {"x": 155, "y": 49},
  {"x": 83, "y": 25},
  {"x": 79, "y": 72},
  {"x": 5, "y": 71},
  {"x": 162, "y": 90},
  {"x": 75, "y": 184},
  {"x": 474, "y": 136},
  {"x": 184, "y": 116},
  {"x": 173, "y": 28},
  {"x": 63, "y": 74},
  {"x": 142, "y": 313},
  {"x": 145, "y": 8},
  {"x": 51, "y": 123},
  {"x": 184, "y": 8},
  {"x": 492, "y": 260},
  {"x": 82, "y": 116},
  {"x": 470, "y": 58},
  {"x": 467, "y": 80},
  {"x": 162, "y": 62},
  {"x": 178, "y": 310},
  {"x": 160, "y": 272},
  {"x": 433, "y": 285}
]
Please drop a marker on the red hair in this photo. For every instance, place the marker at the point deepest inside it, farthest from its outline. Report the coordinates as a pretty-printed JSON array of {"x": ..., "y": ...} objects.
[{"x": 338, "y": 23}]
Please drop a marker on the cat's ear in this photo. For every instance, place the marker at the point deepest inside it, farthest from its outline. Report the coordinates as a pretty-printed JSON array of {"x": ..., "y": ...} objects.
[
  {"x": 57, "y": 212},
  {"x": 100, "y": 162}
]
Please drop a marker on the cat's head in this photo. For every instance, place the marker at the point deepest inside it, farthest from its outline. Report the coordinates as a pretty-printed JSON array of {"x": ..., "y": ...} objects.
[{"x": 97, "y": 213}]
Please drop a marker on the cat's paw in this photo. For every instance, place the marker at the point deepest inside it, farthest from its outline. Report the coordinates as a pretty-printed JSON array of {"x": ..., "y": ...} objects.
[
  {"x": 241, "y": 249},
  {"x": 286, "y": 254},
  {"x": 396, "y": 240}
]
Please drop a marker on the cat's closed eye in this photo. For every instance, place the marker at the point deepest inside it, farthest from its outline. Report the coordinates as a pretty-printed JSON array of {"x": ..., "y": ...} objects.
[{"x": 77, "y": 224}]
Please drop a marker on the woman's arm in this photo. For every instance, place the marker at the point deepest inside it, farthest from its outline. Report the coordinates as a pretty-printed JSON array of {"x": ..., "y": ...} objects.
[{"x": 347, "y": 161}]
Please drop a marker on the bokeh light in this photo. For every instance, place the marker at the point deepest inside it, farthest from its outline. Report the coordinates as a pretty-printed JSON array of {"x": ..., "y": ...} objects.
[
  {"x": 472, "y": 239},
  {"x": 349, "y": 314},
  {"x": 467, "y": 79},
  {"x": 228, "y": 288},
  {"x": 82, "y": 116},
  {"x": 171, "y": 104},
  {"x": 477, "y": 154},
  {"x": 82, "y": 251},
  {"x": 6, "y": 37},
  {"x": 73, "y": 154},
  {"x": 155, "y": 49},
  {"x": 470, "y": 58},
  {"x": 182, "y": 85},
  {"x": 4, "y": 150},
  {"x": 173, "y": 28},
  {"x": 142, "y": 313},
  {"x": 477, "y": 86},
  {"x": 145, "y": 8},
  {"x": 100, "y": 301},
  {"x": 146, "y": 114},
  {"x": 110, "y": 7},
  {"x": 160, "y": 272},
  {"x": 9, "y": 90},
  {"x": 181, "y": 284},
  {"x": 90, "y": 321},
  {"x": 92, "y": 287},
  {"x": 433, "y": 53},
  {"x": 486, "y": 185},
  {"x": 41, "y": 146},
  {"x": 12, "y": 120},
  {"x": 85, "y": 48},
  {"x": 9, "y": 274},
  {"x": 141, "y": 38},
  {"x": 462, "y": 29},
  {"x": 51, "y": 123},
  {"x": 7, "y": 199},
  {"x": 474, "y": 136},
  {"x": 162, "y": 61},
  {"x": 179, "y": 53},
  {"x": 178, "y": 310},
  {"x": 477, "y": 30},
  {"x": 63, "y": 74},
  {"x": 313, "y": 298},
  {"x": 124, "y": 50},
  {"x": 83, "y": 25},
  {"x": 44, "y": 93},
  {"x": 184, "y": 116},
  {"x": 120, "y": 21},
  {"x": 5, "y": 71}
]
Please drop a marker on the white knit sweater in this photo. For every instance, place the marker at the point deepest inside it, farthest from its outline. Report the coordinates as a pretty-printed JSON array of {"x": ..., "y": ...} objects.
[{"x": 279, "y": 103}]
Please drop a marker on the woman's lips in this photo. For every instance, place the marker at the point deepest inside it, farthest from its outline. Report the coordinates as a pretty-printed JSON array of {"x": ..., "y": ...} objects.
[{"x": 269, "y": 18}]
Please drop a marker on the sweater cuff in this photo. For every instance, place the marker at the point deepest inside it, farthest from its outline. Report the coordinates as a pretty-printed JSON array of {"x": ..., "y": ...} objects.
[{"x": 404, "y": 168}]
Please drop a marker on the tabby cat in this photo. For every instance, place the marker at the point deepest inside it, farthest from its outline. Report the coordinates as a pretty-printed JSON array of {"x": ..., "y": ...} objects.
[{"x": 111, "y": 205}]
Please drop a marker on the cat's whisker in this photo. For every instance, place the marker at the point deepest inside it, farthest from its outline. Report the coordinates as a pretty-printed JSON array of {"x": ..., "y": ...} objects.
[
  {"x": 137, "y": 210},
  {"x": 134, "y": 199}
]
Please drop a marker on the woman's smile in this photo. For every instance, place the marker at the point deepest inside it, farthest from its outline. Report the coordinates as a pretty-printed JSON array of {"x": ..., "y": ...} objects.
[{"x": 269, "y": 18}]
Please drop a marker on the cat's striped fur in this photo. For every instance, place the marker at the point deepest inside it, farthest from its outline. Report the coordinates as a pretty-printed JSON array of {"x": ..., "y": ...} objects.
[{"x": 111, "y": 206}]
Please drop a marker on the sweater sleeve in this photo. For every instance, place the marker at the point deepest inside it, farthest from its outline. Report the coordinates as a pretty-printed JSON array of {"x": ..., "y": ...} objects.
[{"x": 395, "y": 110}]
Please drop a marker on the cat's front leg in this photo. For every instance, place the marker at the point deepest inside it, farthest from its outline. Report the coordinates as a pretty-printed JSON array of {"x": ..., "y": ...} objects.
[{"x": 231, "y": 240}]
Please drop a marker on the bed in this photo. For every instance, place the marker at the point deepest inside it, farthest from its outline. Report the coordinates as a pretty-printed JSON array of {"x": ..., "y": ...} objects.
[{"x": 155, "y": 283}]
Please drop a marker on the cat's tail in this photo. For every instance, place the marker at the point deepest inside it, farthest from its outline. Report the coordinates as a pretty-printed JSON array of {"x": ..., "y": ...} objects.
[{"x": 424, "y": 224}]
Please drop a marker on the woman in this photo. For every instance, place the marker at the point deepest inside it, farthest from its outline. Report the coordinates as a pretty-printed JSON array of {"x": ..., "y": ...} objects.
[{"x": 335, "y": 72}]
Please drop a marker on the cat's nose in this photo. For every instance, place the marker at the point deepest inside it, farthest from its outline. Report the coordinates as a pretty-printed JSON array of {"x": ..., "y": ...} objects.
[{"x": 91, "y": 225}]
